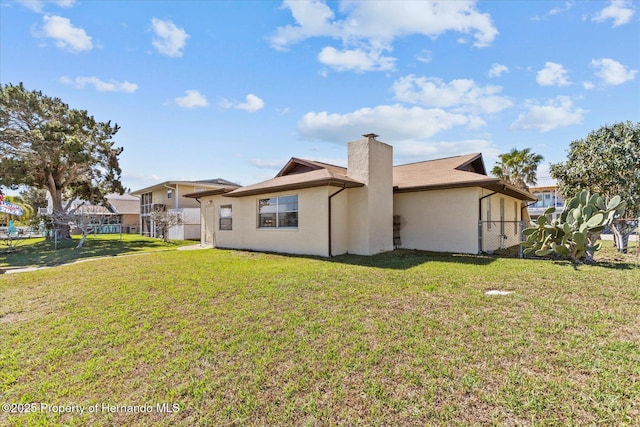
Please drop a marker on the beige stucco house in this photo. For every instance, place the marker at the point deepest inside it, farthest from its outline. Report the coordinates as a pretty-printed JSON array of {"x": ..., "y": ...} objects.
[
  {"x": 168, "y": 195},
  {"x": 366, "y": 208}
]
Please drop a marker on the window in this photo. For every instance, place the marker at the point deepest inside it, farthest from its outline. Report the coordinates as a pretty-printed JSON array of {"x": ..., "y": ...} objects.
[
  {"x": 278, "y": 212},
  {"x": 226, "y": 218},
  {"x": 146, "y": 203},
  {"x": 169, "y": 193},
  {"x": 539, "y": 201},
  {"x": 515, "y": 218}
]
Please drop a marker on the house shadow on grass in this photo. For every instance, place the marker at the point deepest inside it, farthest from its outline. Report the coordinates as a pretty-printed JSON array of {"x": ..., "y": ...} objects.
[{"x": 402, "y": 259}]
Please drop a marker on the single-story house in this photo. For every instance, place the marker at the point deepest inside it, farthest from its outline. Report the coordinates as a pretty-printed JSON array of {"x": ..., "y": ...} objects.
[
  {"x": 366, "y": 208},
  {"x": 168, "y": 195},
  {"x": 127, "y": 207},
  {"x": 120, "y": 213}
]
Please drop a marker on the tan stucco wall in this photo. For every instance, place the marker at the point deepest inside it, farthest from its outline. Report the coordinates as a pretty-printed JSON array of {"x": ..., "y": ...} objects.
[
  {"x": 370, "y": 210},
  {"x": 311, "y": 236},
  {"x": 159, "y": 196},
  {"x": 439, "y": 220},
  {"x": 131, "y": 220},
  {"x": 340, "y": 221}
]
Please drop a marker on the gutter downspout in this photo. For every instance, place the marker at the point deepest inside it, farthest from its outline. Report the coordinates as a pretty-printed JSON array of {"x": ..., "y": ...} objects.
[
  {"x": 480, "y": 219},
  {"x": 201, "y": 225},
  {"x": 522, "y": 209},
  {"x": 329, "y": 229}
]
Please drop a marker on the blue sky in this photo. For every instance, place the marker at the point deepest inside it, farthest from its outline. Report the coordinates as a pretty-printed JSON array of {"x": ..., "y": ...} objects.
[{"x": 207, "y": 89}]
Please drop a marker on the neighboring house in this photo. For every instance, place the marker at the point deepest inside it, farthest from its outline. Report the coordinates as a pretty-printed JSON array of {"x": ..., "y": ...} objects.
[
  {"x": 368, "y": 207},
  {"x": 168, "y": 195},
  {"x": 121, "y": 213},
  {"x": 127, "y": 207},
  {"x": 546, "y": 192}
]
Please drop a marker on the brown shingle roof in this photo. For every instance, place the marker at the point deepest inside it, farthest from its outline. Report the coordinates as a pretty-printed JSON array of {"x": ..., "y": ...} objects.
[
  {"x": 297, "y": 165},
  {"x": 313, "y": 178},
  {"x": 211, "y": 192},
  {"x": 124, "y": 203},
  {"x": 450, "y": 173}
]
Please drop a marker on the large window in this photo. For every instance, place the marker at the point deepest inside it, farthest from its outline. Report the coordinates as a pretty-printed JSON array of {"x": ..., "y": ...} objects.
[
  {"x": 146, "y": 201},
  {"x": 226, "y": 217},
  {"x": 278, "y": 212}
]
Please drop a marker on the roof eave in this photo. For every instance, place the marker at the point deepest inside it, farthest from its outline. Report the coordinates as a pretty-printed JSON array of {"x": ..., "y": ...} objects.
[
  {"x": 490, "y": 184},
  {"x": 214, "y": 192},
  {"x": 295, "y": 186},
  {"x": 444, "y": 186}
]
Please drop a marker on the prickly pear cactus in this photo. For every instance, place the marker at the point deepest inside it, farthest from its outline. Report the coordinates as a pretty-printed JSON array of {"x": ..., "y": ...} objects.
[{"x": 575, "y": 233}]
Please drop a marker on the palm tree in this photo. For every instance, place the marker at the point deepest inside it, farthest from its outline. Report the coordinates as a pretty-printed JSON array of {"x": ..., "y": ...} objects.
[{"x": 518, "y": 167}]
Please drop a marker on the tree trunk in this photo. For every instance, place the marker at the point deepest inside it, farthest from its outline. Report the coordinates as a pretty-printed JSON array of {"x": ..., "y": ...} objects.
[
  {"x": 82, "y": 240},
  {"x": 62, "y": 229},
  {"x": 592, "y": 239},
  {"x": 620, "y": 236}
]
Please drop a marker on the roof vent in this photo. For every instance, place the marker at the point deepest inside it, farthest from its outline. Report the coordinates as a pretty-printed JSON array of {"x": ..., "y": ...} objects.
[{"x": 370, "y": 136}]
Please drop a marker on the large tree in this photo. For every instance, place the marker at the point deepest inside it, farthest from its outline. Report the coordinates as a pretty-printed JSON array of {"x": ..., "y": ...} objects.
[
  {"x": 518, "y": 167},
  {"x": 47, "y": 145},
  {"x": 35, "y": 197},
  {"x": 607, "y": 161}
]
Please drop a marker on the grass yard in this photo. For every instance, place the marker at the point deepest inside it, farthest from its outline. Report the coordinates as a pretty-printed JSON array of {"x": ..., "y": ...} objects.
[
  {"x": 405, "y": 338},
  {"x": 45, "y": 253}
]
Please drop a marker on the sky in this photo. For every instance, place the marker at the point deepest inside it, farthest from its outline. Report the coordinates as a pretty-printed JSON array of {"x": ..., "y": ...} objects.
[{"x": 234, "y": 89}]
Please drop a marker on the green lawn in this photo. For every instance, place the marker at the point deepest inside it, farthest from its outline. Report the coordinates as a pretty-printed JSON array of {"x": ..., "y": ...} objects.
[
  {"x": 405, "y": 338},
  {"x": 41, "y": 252}
]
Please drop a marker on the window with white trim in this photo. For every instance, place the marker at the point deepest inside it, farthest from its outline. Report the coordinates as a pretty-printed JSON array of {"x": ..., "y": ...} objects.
[
  {"x": 226, "y": 218},
  {"x": 278, "y": 212}
]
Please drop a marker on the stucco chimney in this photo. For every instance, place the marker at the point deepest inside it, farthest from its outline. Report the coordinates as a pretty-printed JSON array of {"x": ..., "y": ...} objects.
[{"x": 370, "y": 207}]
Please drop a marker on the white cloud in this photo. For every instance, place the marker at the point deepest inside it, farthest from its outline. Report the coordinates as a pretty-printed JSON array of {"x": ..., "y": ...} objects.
[
  {"x": 66, "y": 36},
  {"x": 252, "y": 104},
  {"x": 99, "y": 85},
  {"x": 464, "y": 95},
  {"x": 588, "y": 85},
  {"x": 356, "y": 59},
  {"x": 313, "y": 19},
  {"x": 369, "y": 28},
  {"x": 552, "y": 75},
  {"x": 568, "y": 5},
  {"x": 612, "y": 72},
  {"x": 497, "y": 70},
  {"x": 425, "y": 150},
  {"x": 169, "y": 40},
  {"x": 192, "y": 99},
  {"x": 39, "y": 5},
  {"x": 558, "y": 112},
  {"x": 394, "y": 122},
  {"x": 620, "y": 11},
  {"x": 424, "y": 56}
]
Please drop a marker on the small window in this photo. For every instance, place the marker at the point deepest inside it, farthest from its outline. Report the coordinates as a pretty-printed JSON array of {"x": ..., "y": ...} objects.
[
  {"x": 226, "y": 217},
  {"x": 169, "y": 194},
  {"x": 278, "y": 212}
]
